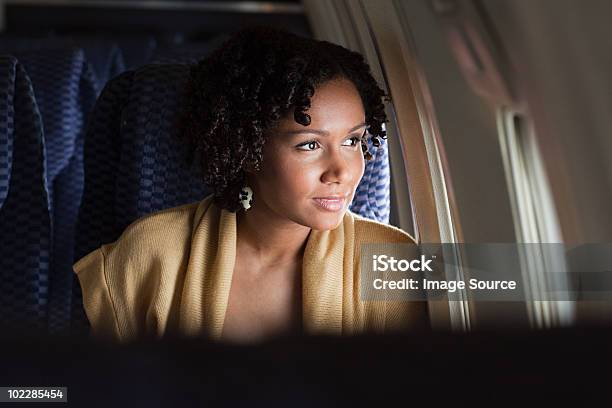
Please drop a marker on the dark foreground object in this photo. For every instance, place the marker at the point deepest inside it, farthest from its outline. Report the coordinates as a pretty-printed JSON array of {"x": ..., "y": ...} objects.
[{"x": 498, "y": 369}]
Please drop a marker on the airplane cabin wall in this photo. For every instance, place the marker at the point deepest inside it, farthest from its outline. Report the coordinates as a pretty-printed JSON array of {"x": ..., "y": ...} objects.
[{"x": 560, "y": 51}]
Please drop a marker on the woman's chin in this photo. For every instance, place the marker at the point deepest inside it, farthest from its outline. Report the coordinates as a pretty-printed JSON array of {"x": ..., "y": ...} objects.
[{"x": 328, "y": 223}]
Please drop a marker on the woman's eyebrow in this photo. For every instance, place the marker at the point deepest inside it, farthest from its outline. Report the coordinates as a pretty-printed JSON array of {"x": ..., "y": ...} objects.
[{"x": 320, "y": 132}]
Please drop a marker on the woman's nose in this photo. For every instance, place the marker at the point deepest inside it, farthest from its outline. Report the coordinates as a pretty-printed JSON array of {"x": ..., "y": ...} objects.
[{"x": 337, "y": 169}]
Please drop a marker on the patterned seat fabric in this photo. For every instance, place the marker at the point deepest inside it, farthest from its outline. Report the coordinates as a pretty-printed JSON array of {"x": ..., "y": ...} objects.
[
  {"x": 104, "y": 55},
  {"x": 97, "y": 219},
  {"x": 153, "y": 174},
  {"x": 66, "y": 88},
  {"x": 134, "y": 164},
  {"x": 373, "y": 195},
  {"x": 105, "y": 58},
  {"x": 25, "y": 241},
  {"x": 102, "y": 151},
  {"x": 65, "y": 91}
]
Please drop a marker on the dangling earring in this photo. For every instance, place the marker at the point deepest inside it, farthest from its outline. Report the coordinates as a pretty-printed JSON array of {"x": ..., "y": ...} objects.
[{"x": 246, "y": 197}]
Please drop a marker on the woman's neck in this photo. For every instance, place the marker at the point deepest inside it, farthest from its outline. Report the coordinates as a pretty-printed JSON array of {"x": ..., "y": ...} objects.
[{"x": 268, "y": 239}]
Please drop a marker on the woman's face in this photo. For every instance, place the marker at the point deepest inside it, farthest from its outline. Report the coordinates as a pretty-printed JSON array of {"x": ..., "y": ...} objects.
[{"x": 303, "y": 165}]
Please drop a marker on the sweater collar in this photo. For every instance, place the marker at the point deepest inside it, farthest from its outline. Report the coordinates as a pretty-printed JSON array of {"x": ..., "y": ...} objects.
[{"x": 211, "y": 264}]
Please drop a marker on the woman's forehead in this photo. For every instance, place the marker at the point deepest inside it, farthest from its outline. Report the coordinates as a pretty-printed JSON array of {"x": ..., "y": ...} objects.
[
  {"x": 335, "y": 106},
  {"x": 336, "y": 93}
]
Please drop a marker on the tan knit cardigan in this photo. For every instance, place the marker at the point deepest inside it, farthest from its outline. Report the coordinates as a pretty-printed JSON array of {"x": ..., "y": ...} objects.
[{"x": 170, "y": 273}]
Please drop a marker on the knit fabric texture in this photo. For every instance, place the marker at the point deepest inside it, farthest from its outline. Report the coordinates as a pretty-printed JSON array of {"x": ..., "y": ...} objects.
[{"x": 171, "y": 273}]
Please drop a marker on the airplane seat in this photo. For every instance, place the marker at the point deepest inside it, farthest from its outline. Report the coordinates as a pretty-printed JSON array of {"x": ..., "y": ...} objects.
[
  {"x": 96, "y": 223},
  {"x": 25, "y": 220},
  {"x": 153, "y": 171},
  {"x": 134, "y": 162},
  {"x": 65, "y": 91},
  {"x": 373, "y": 195},
  {"x": 105, "y": 56}
]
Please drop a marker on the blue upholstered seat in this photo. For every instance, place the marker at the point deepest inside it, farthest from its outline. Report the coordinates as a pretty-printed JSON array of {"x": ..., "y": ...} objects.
[
  {"x": 373, "y": 196},
  {"x": 97, "y": 219},
  {"x": 104, "y": 56},
  {"x": 65, "y": 90},
  {"x": 25, "y": 222},
  {"x": 102, "y": 151}
]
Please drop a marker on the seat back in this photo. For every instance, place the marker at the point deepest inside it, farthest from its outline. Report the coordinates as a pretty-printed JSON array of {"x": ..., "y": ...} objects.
[
  {"x": 65, "y": 90},
  {"x": 97, "y": 219},
  {"x": 373, "y": 195},
  {"x": 25, "y": 222},
  {"x": 104, "y": 56},
  {"x": 153, "y": 174}
]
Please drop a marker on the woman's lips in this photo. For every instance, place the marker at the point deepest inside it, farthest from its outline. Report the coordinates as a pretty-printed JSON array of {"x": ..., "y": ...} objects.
[{"x": 330, "y": 204}]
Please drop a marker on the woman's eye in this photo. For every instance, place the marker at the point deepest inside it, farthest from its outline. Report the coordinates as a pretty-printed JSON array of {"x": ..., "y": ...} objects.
[
  {"x": 308, "y": 146},
  {"x": 355, "y": 140},
  {"x": 313, "y": 144}
]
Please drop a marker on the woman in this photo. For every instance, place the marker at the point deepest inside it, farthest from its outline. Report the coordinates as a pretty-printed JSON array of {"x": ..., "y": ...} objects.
[{"x": 280, "y": 126}]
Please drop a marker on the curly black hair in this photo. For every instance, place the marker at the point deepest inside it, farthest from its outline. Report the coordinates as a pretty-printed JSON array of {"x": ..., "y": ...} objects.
[{"x": 255, "y": 78}]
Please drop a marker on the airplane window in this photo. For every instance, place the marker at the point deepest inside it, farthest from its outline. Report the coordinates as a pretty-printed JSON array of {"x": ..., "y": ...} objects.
[{"x": 535, "y": 218}]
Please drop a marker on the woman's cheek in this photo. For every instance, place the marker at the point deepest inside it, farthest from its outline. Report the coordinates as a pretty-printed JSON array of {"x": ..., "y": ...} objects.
[
  {"x": 357, "y": 168},
  {"x": 304, "y": 179}
]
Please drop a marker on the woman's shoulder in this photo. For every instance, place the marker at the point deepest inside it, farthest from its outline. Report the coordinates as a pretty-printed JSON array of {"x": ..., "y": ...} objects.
[
  {"x": 163, "y": 225},
  {"x": 367, "y": 230},
  {"x": 162, "y": 233}
]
